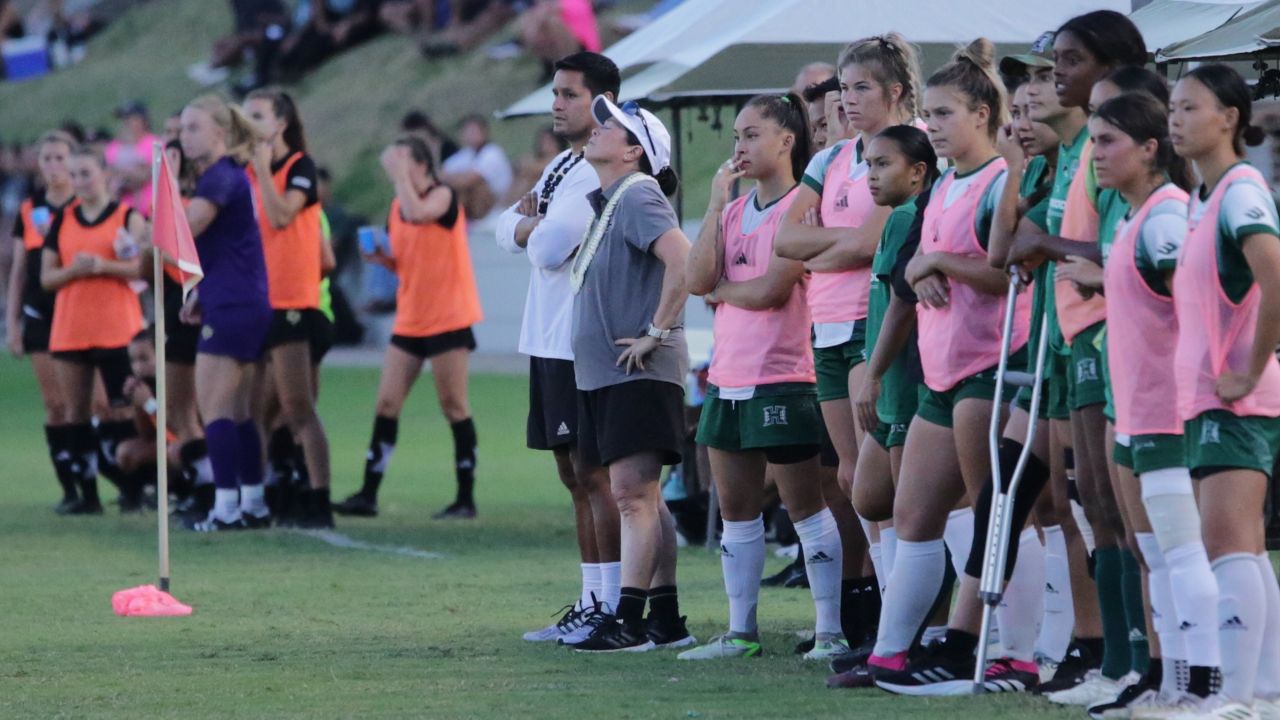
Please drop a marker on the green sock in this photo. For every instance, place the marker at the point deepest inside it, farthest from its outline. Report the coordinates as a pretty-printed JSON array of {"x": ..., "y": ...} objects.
[
  {"x": 1115, "y": 628},
  {"x": 1135, "y": 615}
]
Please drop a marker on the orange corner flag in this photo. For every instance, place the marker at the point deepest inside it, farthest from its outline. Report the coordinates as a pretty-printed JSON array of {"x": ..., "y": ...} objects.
[{"x": 170, "y": 232}]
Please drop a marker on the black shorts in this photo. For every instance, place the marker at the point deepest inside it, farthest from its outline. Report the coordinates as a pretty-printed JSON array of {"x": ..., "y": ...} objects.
[
  {"x": 322, "y": 338},
  {"x": 633, "y": 417},
  {"x": 180, "y": 338},
  {"x": 295, "y": 326},
  {"x": 553, "y": 404},
  {"x": 112, "y": 365},
  {"x": 35, "y": 334},
  {"x": 432, "y": 345}
]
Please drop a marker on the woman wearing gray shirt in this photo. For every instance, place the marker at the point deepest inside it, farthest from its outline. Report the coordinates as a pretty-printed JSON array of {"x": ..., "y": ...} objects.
[{"x": 630, "y": 361}]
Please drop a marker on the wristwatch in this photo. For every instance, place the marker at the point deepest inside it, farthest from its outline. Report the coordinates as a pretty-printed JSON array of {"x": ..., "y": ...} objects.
[{"x": 657, "y": 334}]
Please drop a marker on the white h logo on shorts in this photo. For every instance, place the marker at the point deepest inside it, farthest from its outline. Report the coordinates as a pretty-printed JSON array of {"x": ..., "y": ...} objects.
[{"x": 775, "y": 415}]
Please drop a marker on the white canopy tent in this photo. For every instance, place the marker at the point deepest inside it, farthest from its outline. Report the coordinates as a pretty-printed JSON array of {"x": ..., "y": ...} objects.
[
  {"x": 1167, "y": 22},
  {"x": 1256, "y": 30},
  {"x": 733, "y": 48}
]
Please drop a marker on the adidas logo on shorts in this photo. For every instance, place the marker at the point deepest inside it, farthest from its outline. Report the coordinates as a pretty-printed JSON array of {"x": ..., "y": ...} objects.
[{"x": 563, "y": 429}]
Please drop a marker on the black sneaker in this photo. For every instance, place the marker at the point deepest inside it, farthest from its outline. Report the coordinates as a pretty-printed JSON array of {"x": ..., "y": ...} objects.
[
  {"x": 1005, "y": 675},
  {"x": 255, "y": 522},
  {"x": 668, "y": 634},
  {"x": 936, "y": 672},
  {"x": 456, "y": 511},
  {"x": 358, "y": 505},
  {"x": 855, "y": 659},
  {"x": 84, "y": 507},
  {"x": 1141, "y": 692},
  {"x": 313, "y": 511},
  {"x": 616, "y": 636},
  {"x": 779, "y": 579},
  {"x": 799, "y": 578},
  {"x": 592, "y": 621},
  {"x": 67, "y": 505},
  {"x": 213, "y": 524},
  {"x": 859, "y": 676},
  {"x": 1071, "y": 671},
  {"x": 805, "y": 646}
]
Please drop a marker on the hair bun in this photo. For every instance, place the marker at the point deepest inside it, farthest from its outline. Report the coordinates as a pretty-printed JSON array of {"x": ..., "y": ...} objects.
[
  {"x": 980, "y": 52},
  {"x": 1254, "y": 135}
]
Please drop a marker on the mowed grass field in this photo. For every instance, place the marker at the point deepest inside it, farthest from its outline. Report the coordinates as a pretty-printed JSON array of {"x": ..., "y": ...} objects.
[{"x": 286, "y": 626}]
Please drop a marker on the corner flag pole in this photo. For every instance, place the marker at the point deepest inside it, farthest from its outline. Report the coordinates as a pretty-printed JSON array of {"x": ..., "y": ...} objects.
[{"x": 162, "y": 454}]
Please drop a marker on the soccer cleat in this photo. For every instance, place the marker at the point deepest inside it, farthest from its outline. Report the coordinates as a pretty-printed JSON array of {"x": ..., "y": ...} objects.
[
  {"x": 592, "y": 620},
  {"x": 785, "y": 575},
  {"x": 1267, "y": 709},
  {"x": 255, "y": 522},
  {"x": 935, "y": 673},
  {"x": 668, "y": 634},
  {"x": 1008, "y": 675},
  {"x": 1095, "y": 690},
  {"x": 213, "y": 523},
  {"x": 862, "y": 676},
  {"x": 1071, "y": 671},
  {"x": 85, "y": 507},
  {"x": 456, "y": 511},
  {"x": 1166, "y": 706},
  {"x": 616, "y": 636},
  {"x": 724, "y": 646},
  {"x": 1218, "y": 707},
  {"x": 358, "y": 505},
  {"x": 68, "y": 502},
  {"x": 1139, "y": 694},
  {"x": 855, "y": 659},
  {"x": 828, "y": 646},
  {"x": 312, "y": 510},
  {"x": 571, "y": 618}
]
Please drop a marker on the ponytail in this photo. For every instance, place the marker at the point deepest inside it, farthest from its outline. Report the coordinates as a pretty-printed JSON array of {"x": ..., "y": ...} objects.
[
  {"x": 972, "y": 72},
  {"x": 789, "y": 112},
  {"x": 283, "y": 106},
  {"x": 241, "y": 135},
  {"x": 1232, "y": 91},
  {"x": 890, "y": 59}
]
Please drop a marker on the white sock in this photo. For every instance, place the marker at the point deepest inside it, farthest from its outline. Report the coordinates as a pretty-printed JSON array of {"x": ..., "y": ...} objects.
[
  {"x": 204, "y": 471},
  {"x": 933, "y": 634},
  {"x": 1242, "y": 610},
  {"x": 913, "y": 586},
  {"x": 1195, "y": 603},
  {"x": 1059, "y": 612},
  {"x": 1163, "y": 616},
  {"x": 590, "y": 586},
  {"x": 1020, "y": 611},
  {"x": 742, "y": 561},
  {"x": 876, "y": 552},
  {"x": 226, "y": 504},
  {"x": 610, "y": 585},
  {"x": 823, "y": 561},
  {"x": 1268, "y": 686},
  {"x": 888, "y": 552},
  {"x": 252, "y": 500},
  {"x": 1082, "y": 522},
  {"x": 958, "y": 535}
]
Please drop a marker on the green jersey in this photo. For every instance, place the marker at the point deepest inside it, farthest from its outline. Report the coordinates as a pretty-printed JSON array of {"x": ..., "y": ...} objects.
[
  {"x": 1068, "y": 164},
  {"x": 898, "y": 392}
]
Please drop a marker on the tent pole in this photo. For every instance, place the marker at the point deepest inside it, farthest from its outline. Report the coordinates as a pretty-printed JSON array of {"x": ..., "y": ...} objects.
[{"x": 678, "y": 158}]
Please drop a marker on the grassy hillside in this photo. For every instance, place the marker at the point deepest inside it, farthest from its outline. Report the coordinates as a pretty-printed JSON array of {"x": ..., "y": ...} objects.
[{"x": 350, "y": 105}]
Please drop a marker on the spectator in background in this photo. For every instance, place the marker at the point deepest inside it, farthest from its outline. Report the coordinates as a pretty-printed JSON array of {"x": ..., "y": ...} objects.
[
  {"x": 410, "y": 17},
  {"x": 817, "y": 104},
  {"x": 129, "y": 157},
  {"x": 470, "y": 23},
  {"x": 259, "y": 29},
  {"x": 546, "y": 146},
  {"x": 172, "y": 127},
  {"x": 418, "y": 124},
  {"x": 812, "y": 74},
  {"x": 553, "y": 29},
  {"x": 479, "y": 171},
  {"x": 322, "y": 28}
]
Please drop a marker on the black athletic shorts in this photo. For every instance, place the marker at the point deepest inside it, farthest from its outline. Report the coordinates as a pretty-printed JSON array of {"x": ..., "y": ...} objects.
[
  {"x": 180, "y": 338},
  {"x": 35, "y": 334},
  {"x": 432, "y": 345},
  {"x": 322, "y": 338},
  {"x": 112, "y": 365},
  {"x": 293, "y": 326},
  {"x": 553, "y": 404},
  {"x": 632, "y": 417}
]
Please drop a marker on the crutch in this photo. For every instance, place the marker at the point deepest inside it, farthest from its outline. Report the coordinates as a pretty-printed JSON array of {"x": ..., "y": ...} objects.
[{"x": 999, "y": 529}]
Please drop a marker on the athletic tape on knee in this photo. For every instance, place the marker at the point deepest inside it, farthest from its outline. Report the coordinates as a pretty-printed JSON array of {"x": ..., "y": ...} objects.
[
  {"x": 1175, "y": 520},
  {"x": 1169, "y": 481}
]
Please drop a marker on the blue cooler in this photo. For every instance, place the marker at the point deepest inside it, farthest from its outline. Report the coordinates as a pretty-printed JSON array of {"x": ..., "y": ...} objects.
[{"x": 25, "y": 58}]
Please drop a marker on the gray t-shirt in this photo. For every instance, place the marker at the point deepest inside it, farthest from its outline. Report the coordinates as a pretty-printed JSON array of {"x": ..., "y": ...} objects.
[{"x": 621, "y": 290}]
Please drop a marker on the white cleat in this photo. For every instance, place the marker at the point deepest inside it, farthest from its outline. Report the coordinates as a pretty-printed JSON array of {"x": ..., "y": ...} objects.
[
  {"x": 1218, "y": 707},
  {"x": 1095, "y": 690}
]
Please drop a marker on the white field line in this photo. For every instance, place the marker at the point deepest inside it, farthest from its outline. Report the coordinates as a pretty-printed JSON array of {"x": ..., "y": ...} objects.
[{"x": 337, "y": 539}]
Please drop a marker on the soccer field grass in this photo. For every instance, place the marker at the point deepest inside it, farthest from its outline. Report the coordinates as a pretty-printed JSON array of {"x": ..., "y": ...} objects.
[{"x": 286, "y": 626}]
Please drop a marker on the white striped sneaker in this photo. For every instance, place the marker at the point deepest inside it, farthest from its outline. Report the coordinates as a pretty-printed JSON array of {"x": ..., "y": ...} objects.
[{"x": 571, "y": 618}]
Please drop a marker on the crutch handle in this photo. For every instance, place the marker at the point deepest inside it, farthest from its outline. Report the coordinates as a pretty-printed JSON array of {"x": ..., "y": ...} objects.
[{"x": 1019, "y": 379}]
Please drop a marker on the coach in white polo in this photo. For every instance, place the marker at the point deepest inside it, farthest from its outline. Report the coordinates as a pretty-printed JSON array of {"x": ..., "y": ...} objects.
[{"x": 547, "y": 225}]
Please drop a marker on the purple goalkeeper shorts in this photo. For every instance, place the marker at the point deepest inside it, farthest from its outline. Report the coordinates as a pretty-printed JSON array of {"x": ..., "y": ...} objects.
[{"x": 238, "y": 332}]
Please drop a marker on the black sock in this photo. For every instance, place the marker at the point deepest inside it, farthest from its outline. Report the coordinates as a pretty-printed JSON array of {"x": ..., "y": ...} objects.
[
  {"x": 664, "y": 603},
  {"x": 1094, "y": 648},
  {"x": 108, "y": 436},
  {"x": 631, "y": 606},
  {"x": 1202, "y": 680},
  {"x": 1155, "y": 672},
  {"x": 132, "y": 483},
  {"x": 960, "y": 644},
  {"x": 280, "y": 451},
  {"x": 301, "y": 476},
  {"x": 381, "y": 446},
  {"x": 464, "y": 459},
  {"x": 851, "y": 610},
  {"x": 870, "y": 608},
  {"x": 60, "y": 453},
  {"x": 84, "y": 460}
]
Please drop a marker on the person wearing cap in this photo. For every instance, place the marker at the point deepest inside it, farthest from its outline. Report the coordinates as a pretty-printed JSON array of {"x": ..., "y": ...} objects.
[
  {"x": 630, "y": 362},
  {"x": 129, "y": 157},
  {"x": 1023, "y": 65}
]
